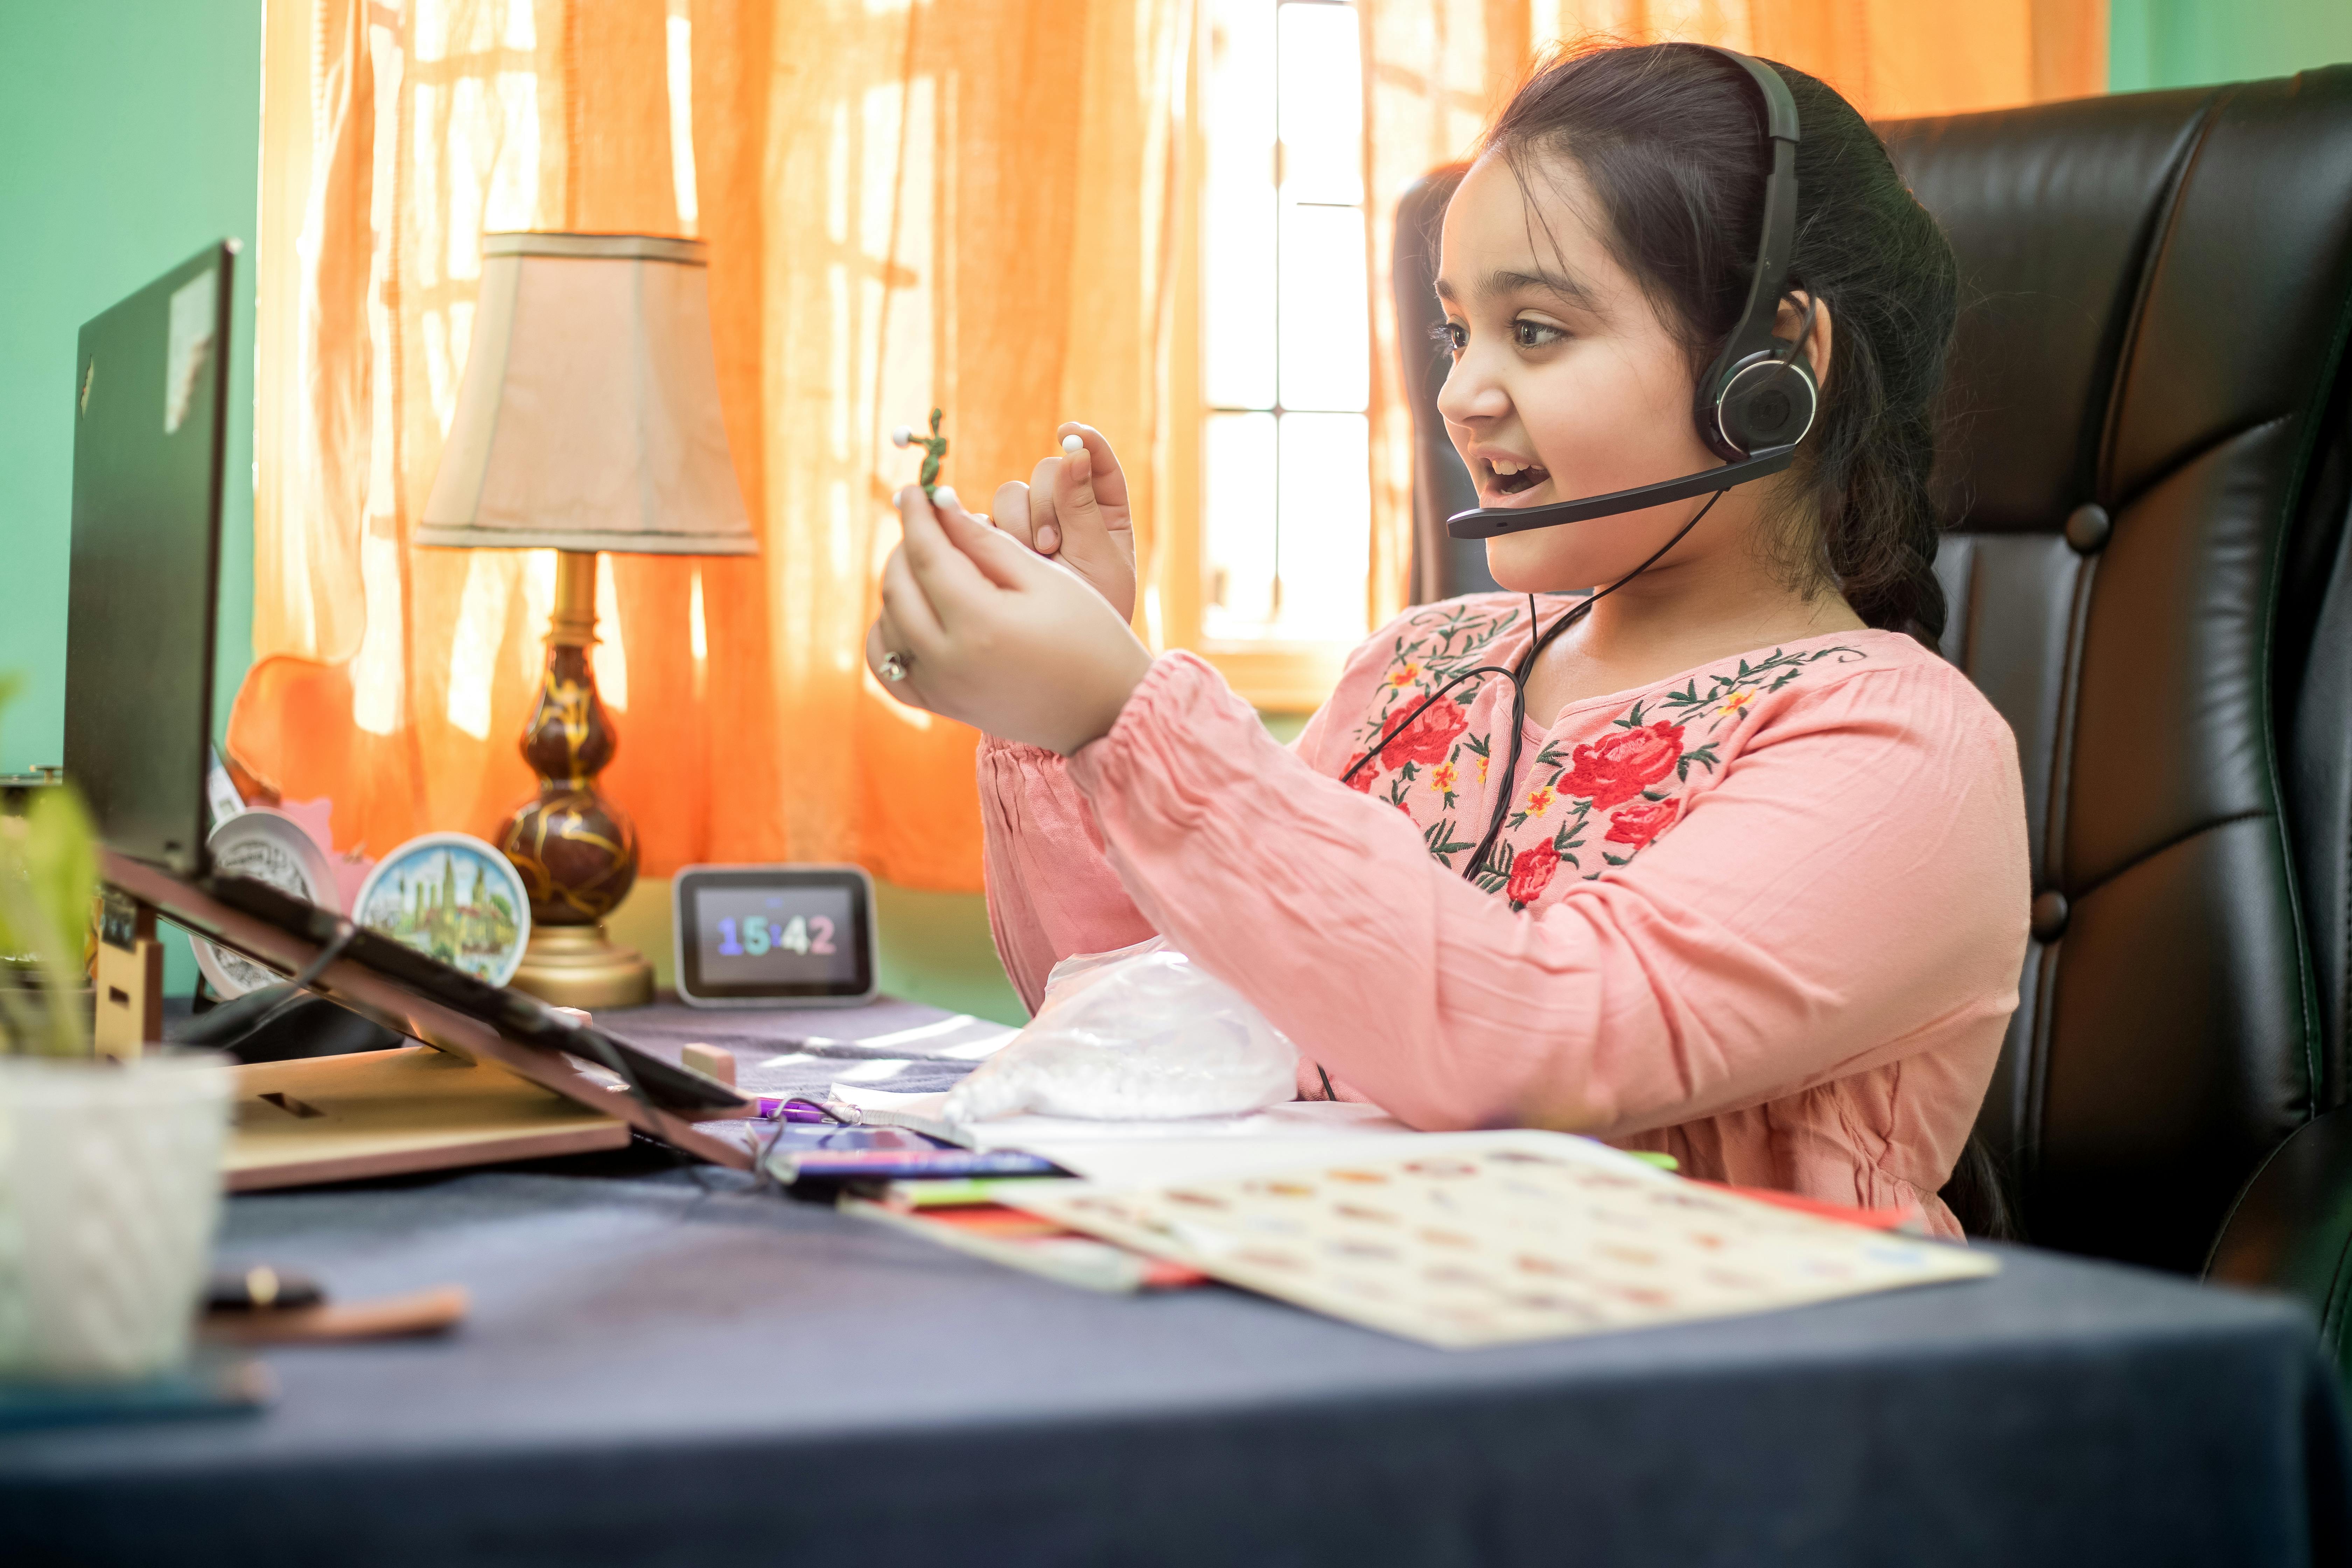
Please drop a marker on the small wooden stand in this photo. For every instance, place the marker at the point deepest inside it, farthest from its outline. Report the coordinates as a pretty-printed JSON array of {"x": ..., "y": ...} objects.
[
  {"x": 385, "y": 1113},
  {"x": 480, "y": 1098},
  {"x": 129, "y": 978}
]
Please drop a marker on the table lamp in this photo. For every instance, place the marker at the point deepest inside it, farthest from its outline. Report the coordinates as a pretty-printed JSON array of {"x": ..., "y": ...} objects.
[{"x": 588, "y": 420}]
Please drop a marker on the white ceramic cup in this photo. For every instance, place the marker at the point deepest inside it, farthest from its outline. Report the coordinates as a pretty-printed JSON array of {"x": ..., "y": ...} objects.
[{"x": 110, "y": 1190}]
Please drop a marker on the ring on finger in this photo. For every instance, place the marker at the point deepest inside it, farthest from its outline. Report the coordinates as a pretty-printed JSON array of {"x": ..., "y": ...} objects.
[{"x": 894, "y": 666}]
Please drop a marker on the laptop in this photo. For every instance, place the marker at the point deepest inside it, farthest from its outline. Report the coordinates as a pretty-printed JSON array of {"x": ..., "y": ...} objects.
[
  {"x": 151, "y": 442},
  {"x": 151, "y": 426}
]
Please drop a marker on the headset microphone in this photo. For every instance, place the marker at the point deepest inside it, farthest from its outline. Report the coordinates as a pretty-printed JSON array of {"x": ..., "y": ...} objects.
[
  {"x": 1758, "y": 400},
  {"x": 1487, "y": 522}
]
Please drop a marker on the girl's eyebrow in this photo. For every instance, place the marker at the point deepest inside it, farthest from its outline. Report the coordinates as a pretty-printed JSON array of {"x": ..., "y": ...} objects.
[{"x": 1507, "y": 282}]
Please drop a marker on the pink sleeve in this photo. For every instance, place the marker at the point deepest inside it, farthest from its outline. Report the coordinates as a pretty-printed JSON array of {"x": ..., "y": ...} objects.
[
  {"x": 1050, "y": 892},
  {"x": 1855, "y": 878}
]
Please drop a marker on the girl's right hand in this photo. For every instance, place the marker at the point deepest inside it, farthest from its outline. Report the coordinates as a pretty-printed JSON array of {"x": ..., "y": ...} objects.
[{"x": 1074, "y": 508}]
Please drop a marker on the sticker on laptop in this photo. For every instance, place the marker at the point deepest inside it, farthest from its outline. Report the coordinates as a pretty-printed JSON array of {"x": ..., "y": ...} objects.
[{"x": 193, "y": 325}]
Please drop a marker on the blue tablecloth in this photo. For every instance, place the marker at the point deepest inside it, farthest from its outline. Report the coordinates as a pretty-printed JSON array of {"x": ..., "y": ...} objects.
[{"x": 667, "y": 1367}]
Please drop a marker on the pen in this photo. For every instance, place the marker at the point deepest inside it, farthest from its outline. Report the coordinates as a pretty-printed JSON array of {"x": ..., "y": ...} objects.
[{"x": 801, "y": 1109}]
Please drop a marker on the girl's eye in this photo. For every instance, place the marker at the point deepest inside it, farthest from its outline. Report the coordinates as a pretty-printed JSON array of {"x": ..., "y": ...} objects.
[
  {"x": 1454, "y": 335},
  {"x": 1535, "y": 334}
]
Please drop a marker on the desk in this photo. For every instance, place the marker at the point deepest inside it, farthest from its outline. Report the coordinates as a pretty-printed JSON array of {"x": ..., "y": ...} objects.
[{"x": 666, "y": 1367}]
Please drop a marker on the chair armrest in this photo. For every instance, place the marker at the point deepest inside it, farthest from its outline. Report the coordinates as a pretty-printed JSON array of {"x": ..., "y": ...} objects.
[{"x": 2292, "y": 1230}]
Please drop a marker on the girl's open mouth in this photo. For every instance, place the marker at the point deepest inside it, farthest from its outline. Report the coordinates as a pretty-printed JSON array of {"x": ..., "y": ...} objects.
[{"x": 1512, "y": 479}]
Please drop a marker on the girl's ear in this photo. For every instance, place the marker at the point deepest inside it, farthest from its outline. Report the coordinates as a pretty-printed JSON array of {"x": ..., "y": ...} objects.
[{"x": 1816, "y": 348}]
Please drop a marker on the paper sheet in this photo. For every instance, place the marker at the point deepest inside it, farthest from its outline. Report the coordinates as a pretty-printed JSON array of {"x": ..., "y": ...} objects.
[
  {"x": 1185, "y": 1150},
  {"x": 1468, "y": 1239},
  {"x": 957, "y": 1038}
]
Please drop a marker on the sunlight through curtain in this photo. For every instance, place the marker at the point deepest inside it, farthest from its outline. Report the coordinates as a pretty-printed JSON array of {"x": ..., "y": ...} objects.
[{"x": 895, "y": 219}]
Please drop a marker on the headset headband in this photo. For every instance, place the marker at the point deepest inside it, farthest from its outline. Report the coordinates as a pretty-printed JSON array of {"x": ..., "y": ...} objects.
[{"x": 1777, "y": 236}]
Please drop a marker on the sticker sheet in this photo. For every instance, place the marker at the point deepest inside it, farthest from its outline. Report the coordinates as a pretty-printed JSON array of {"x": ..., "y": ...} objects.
[{"x": 1496, "y": 1237}]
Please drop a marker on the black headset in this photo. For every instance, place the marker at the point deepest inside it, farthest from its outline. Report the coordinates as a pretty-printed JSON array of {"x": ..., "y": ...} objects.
[{"x": 1758, "y": 400}]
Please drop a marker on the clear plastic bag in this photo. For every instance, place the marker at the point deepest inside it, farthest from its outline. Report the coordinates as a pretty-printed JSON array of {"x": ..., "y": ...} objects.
[{"x": 1141, "y": 1034}]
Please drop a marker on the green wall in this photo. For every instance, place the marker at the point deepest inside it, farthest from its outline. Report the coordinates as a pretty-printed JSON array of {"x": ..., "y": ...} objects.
[
  {"x": 130, "y": 138},
  {"x": 2187, "y": 43}
]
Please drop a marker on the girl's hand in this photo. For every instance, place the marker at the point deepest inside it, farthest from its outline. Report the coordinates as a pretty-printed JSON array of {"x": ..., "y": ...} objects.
[
  {"x": 1075, "y": 508},
  {"x": 997, "y": 636}
]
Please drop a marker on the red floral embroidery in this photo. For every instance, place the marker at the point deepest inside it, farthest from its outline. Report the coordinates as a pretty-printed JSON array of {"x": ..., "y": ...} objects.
[
  {"x": 1362, "y": 779},
  {"x": 1643, "y": 820},
  {"x": 1614, "y": 770},
  {"x": 1429, "y": 737},
  {"x": 1596, "y": 803},
  {"x": 1531, "y": 872}
]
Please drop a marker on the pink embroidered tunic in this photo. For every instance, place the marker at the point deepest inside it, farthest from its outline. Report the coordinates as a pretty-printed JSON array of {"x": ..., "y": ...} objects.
[{"x": 1766, "y": 915}]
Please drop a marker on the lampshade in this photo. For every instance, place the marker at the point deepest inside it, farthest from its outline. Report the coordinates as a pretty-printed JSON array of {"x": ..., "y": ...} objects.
[{"x": 589, "y": 415}]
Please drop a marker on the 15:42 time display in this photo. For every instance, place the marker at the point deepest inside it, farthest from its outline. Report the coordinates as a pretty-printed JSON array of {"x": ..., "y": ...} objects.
[{"x": 812, "y": 936}]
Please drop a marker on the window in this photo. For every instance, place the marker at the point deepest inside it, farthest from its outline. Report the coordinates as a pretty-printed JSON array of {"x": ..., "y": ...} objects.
[{"x": 1285, "y": 498}]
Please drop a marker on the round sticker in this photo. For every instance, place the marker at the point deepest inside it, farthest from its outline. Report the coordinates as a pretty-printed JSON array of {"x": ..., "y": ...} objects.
[
  {"x": 268, "y": 847},
  {"x": 454, "y": 897}
]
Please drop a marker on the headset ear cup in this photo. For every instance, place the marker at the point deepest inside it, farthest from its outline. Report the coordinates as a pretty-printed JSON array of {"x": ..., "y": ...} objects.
[{"x": 1766, "y": 402}]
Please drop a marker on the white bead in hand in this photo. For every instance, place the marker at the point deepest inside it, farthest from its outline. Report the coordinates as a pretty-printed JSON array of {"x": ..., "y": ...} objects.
[{"x": 902, "y": 436}]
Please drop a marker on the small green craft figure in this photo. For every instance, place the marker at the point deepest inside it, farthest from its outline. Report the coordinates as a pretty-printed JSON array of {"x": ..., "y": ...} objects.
[{"x": 934, "y": 448}]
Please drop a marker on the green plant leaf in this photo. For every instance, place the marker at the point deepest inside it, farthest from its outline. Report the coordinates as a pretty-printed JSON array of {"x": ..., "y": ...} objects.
[
  {"x": 61, "y": 863},
  {"x": 48, "y": 875}
]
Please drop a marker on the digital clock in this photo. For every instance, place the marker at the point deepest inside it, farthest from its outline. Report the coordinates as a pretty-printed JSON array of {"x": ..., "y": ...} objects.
[{"x": 774, "y": 936}]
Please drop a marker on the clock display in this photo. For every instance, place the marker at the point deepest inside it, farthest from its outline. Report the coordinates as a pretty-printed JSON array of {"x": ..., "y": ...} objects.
[
  {"x": 774, "y": 935},
  {"x": 753, "y": 935}
]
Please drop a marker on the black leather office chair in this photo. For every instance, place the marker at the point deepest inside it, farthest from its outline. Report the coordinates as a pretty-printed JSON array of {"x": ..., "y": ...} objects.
[{"x": 2146, "y": 477}]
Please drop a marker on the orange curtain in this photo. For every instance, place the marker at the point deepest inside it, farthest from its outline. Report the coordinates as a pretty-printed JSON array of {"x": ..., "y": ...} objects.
[
  {"x": 909, "y": 203},
  {"x": 1435, "y": 69},
  {"x": 906, "y": 204}
]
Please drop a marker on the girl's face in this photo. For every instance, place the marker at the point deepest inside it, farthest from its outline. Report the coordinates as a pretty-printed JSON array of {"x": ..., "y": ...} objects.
[{"x": 1565, "y": 382}]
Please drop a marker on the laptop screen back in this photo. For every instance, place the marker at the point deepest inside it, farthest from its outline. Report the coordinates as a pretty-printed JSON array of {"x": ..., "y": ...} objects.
[{"x": 151, "y": 392}]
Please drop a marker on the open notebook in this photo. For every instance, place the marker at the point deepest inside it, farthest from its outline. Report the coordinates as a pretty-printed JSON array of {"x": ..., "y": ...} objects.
[{"x": 1480, "y": 1239}]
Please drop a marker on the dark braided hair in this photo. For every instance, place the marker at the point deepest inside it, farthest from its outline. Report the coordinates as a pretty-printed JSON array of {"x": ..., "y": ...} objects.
[{"x": 1670, "y": 138}]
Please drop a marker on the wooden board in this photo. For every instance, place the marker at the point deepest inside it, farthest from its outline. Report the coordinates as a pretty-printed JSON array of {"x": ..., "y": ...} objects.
[{"x": 382, "y": 1113}]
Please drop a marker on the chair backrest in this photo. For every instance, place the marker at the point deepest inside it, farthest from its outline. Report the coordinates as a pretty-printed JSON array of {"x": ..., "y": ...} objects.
[
  {"x": 2144, "y": 480},
  {"x": 2145, "y": 476}
]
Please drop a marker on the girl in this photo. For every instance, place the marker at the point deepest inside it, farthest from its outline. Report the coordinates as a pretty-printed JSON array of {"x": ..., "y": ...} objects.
[{"x": 1758, "y": 895}]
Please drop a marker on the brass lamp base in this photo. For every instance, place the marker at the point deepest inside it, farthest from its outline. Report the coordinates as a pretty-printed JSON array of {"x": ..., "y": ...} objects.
[
  {"x": 576, "y": 852},
  {"x": 577, "y": 966}
]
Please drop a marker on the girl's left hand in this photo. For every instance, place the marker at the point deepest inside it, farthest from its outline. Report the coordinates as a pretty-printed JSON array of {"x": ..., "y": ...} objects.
[{"x": 996, "y": 635}]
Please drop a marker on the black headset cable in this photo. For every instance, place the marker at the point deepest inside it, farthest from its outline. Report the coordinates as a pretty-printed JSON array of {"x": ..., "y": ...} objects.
[{"x": 1517, "y": 676}]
